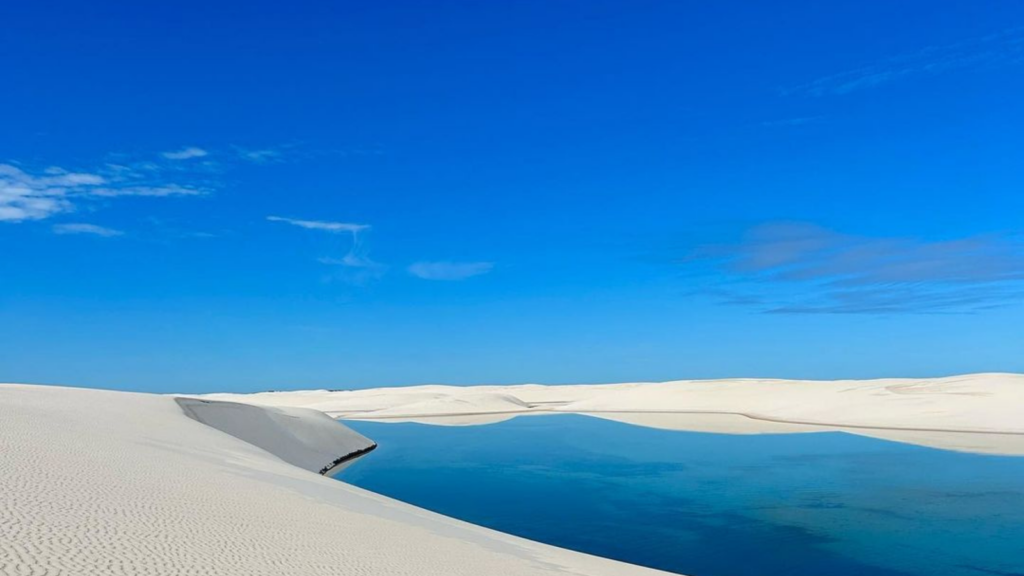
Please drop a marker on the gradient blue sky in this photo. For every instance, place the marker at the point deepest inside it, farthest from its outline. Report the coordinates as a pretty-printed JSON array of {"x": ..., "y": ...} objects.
[{"x": 200, "y": 196}]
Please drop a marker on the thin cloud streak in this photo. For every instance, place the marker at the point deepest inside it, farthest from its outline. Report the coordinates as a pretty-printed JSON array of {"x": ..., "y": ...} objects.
[
  {"x": 262, "y": 156},
  {"x": 323, "y": 225},
  {"x": 90, "y": 229},
  {"x": 185, "y": 153},
  {"x": 1003, "y": 48},
  {"x": 151, "y": 191}
]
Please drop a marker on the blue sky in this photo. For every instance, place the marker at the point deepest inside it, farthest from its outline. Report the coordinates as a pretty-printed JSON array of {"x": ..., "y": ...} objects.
[{"x": 203, "y": 196}]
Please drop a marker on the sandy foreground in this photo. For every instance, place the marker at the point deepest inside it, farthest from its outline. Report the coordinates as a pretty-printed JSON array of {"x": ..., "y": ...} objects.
[
  {"x": 981, "y": 413},
  {"x": 105, "y": 483}
]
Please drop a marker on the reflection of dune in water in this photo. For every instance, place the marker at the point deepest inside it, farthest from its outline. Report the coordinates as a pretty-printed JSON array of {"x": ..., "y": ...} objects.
[
  {"x": 457, "y": 420},
  {"x": 982, "y": 413},
  {"x": 980, "y": 443},
  {"x": 974, "y": 442},
  {"x": 985, "y": 443},
  {"x": 703, "y": 422}
]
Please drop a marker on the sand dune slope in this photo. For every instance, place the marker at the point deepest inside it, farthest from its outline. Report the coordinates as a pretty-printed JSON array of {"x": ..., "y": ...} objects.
[
  {"x": 306, "y": 438},
  {"x": 110, "y": 483}
]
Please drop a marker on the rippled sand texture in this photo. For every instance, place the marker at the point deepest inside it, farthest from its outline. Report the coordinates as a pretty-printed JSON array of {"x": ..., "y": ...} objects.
[{"x": 108, "y": 483}]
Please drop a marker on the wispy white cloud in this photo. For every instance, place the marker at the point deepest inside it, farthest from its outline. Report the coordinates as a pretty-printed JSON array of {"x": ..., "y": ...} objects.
[
  {"x": 39, "y": 195},
  {"x": 999, "y": 49},
  {"x": 80, "y": 228},
  {"x": 323, "y": 225},
  {"x": 24, "y": 197},
  {"x": 185, "y": 153},
  {"x": 795, "y": 267},
  {"x": 36, "y": 193},
  {"x": 449, "y": 270},
  {"x": 356, "y": 264},
  {"x": 352, "y": 260},
  {"x": 155, "y": 191},
  {"x": 260, "y": 156}
]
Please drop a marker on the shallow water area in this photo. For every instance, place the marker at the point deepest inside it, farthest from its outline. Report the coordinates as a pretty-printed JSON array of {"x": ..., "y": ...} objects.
[{"x": 712, "y": 504}]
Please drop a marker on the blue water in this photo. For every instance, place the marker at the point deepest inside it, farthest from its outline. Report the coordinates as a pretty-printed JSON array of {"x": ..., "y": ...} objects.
[{"x": 713, "y": 505}]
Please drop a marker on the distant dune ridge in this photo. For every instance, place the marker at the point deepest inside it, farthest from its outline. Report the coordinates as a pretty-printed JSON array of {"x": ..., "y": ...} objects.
[
  {"x": 975, "y": 413},
  {"x": 97, "y": 482}
]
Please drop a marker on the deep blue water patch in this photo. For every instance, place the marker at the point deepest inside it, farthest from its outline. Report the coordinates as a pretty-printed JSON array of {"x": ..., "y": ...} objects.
[{"x": 711, "y": 504}]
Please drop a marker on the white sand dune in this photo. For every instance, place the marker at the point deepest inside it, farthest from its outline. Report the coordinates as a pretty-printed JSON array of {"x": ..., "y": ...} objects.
[
  {"x": 114, "y": 483},
  {"x": 975, "y": 413},
  {"x": 97, "y": 482}
]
